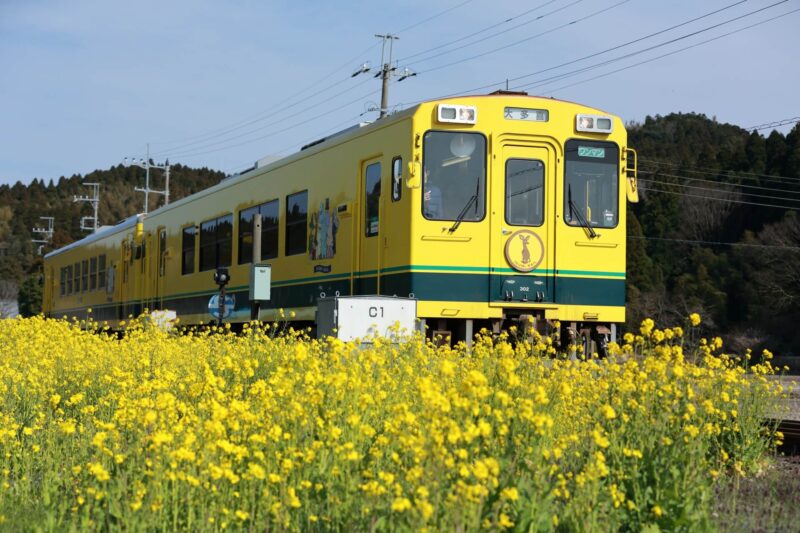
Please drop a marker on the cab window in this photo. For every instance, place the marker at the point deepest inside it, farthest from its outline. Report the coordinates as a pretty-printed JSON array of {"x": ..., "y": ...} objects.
[
  {"x": 591, "y": 183},
  {"x": 454, "y": 176}
]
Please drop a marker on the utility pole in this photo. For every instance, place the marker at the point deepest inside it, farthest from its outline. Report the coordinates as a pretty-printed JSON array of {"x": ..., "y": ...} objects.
[
  {"x": 46, "y": 233},
  {"x": 147, "y": 165},
  {"x": 95, "y": 201},
  {"x": 386, "y": 72}
]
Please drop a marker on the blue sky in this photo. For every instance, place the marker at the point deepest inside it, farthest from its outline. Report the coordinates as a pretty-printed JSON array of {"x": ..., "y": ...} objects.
[{"x": 221, "y": 84}]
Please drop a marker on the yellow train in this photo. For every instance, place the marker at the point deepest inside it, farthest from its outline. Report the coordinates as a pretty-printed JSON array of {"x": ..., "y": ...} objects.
[{"x": 484, "y": 209}]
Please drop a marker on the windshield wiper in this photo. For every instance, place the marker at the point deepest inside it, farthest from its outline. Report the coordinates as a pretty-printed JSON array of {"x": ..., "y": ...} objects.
[
  {"x": 463, "y": 213},
  {"x": 573, "y": 210}
]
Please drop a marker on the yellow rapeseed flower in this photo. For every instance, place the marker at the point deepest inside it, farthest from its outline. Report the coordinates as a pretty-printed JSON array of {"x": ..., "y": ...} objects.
[
  {"x": 401, "y": 504},
  {"x": 67, "y": 427},
  {"x": 100, "y": 473}
]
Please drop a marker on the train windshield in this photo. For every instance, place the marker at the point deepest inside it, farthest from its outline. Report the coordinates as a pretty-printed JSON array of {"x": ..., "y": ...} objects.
[
  {"x": 591, "y": 182},
  {"x": 454, "y": 176}
]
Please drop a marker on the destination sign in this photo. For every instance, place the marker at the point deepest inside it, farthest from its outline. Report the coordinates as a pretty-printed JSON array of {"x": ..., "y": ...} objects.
[{"x": 532, "y": 115}]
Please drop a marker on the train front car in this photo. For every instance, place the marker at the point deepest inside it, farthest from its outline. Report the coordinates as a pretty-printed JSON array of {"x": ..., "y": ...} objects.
[{"x": 520, "y": 216}]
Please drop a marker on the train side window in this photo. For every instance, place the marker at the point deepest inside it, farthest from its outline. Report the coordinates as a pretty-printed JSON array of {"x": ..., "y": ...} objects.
[
  {"x": 224, "y": 241},
  {"x": 372, "y": 184},
  {"x": 524, "y": 192},
  {"x": 296, "y": 223},
  {"x": 63, "y": 285},
  {"x": 92, "y": 273},
  {"x": 215, "y": 243},
  {"x": 246, "y": 234},
  {"x": 187, "y": 250},
  {"x": 69, "y": 280},
  {"x": 269, "y": 231},
  {"x": 84, "y": 275},
  {"x": 76, "y": 277},
  {"x": 101, "y": 271},
  {"x": 208, "y": 245},
  {"x": 397, "y": 178}
]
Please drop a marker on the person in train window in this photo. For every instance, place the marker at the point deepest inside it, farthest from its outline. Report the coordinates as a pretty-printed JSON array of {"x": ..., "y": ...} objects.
[{"x": 431, "y": 197}]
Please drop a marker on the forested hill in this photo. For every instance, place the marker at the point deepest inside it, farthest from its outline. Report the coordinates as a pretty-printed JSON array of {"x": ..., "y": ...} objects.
[
  {"x": 21, "y": 206},
  {"x": 716, "y": 230}
]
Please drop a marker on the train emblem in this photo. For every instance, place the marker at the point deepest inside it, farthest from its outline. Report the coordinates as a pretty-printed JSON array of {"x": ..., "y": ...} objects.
[{"x": 524, "y": 250}]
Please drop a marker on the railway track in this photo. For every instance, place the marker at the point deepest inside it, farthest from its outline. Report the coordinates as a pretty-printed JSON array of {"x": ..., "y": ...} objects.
[{"x": 791, "y": 437}]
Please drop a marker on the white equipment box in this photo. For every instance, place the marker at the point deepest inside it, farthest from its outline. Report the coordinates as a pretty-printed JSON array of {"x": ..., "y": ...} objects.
[
  {"x": 363, "y": 317},
  {"x": 260, "y": 282}
]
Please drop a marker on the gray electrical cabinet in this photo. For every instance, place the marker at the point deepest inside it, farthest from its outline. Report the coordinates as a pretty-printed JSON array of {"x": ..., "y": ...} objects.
[
  {"x": 362, "y": 317},
  {"x": 260, "y": 282}
]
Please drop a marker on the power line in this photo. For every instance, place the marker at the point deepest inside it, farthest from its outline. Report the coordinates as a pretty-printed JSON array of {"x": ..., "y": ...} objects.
[
  {"x": 278, "y": 107},
  {"x": 775, "y": 124},
  {"x": 212, "y": 144},
  {"x": 484, "y": 87},
  {"x": 209, "y": 143},
  {"x": 295, "y": 125},
  {"x": 334, "y": 129},
  {"x": 674, "y": 51},
  {"x": 630, "y": 66},
  {"x": 614, "y": 47},
  {"x": 437, "y": 15},
  {"x": 711, "y": 189},
  {"x": 717, "y": 243},
  {"x": 263, "y": 115},
  {"x": 404, "y": 59},
  {"x": 580, "y": 19},
  {"x": 676, "y": 193},
  {"x": 692, "y": 178},
  {"x": 709, "y": 170},
  {"x": 503, "y": 32},
  {"x": 547, "y": 81}
]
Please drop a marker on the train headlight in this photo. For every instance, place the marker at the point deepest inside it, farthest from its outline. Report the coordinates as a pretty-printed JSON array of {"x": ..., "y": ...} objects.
[
  {"x": 594, "y": 123},
  {"x": 457, "y": 114}
]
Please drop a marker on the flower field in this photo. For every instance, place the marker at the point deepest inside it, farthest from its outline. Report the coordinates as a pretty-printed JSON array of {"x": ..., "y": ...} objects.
[{"x": 207, "y": 431}]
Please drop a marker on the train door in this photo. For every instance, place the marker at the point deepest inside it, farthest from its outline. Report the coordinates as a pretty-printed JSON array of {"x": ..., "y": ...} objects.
[
  {"x": 123, "y": 276},
  {"x": 162, "y": 266},
  {"x": 522, "y": 239},
  {"x": 156, "y": 265},
  {"x": 368, "y": 230}
]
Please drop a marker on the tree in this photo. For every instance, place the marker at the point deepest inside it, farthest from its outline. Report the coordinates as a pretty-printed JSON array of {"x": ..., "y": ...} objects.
[{"x": 30, "y": 296}]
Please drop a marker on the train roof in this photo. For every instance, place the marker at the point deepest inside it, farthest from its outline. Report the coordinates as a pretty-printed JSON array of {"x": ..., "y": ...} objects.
[
  {"x": 101, "y": 233},
  {"x": 312, "y": 148}
]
